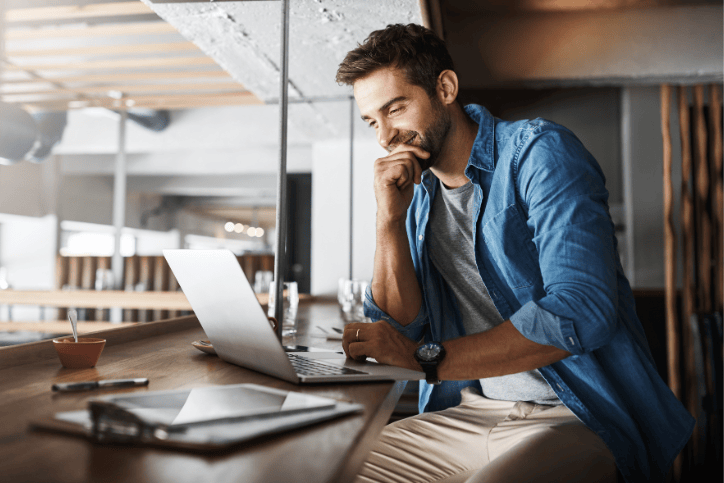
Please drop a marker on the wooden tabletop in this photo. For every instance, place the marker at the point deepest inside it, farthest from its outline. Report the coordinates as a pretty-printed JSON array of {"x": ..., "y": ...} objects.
[{"x": 329, "y": 452}]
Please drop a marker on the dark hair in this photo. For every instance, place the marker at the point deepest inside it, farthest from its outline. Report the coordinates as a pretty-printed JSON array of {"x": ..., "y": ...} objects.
[{"x": 414, "y": 49}]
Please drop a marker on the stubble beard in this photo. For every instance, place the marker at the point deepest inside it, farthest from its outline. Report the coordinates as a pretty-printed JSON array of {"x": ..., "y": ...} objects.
[{"x": 433, "y": 138}]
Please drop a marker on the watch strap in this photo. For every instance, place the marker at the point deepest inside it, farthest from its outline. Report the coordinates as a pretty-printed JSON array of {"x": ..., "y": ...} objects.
[
  {"x": 430, "y": 366},
  {"x": 430, "y": 369}
]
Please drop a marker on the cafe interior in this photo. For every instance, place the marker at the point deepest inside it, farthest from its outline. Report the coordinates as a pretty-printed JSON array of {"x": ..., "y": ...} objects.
[{"x": 131, "y": 127}]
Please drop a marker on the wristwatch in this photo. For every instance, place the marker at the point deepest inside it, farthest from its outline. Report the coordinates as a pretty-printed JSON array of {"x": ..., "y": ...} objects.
[{"x": 429, "y": 355}]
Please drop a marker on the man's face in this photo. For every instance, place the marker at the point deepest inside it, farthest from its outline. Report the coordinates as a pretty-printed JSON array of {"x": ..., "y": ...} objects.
[{"x": 402, "y": 113}]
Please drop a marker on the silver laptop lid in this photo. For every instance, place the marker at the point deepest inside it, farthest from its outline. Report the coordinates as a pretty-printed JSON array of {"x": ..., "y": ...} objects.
[{"x": 229, "y": 311}]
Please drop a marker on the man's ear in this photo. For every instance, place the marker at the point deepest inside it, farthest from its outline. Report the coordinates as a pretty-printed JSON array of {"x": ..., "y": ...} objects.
[{"x": 447, "y": 86}]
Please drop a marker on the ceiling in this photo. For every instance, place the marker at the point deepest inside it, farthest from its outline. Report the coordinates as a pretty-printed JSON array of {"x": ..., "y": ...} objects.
[
  {"x": 172, "y": 54},
  {"x": 111, "y": 54}
]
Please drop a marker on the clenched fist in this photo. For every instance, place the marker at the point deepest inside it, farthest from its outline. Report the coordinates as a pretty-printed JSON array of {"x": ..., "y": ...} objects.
[{"x": 395, "y": 177}]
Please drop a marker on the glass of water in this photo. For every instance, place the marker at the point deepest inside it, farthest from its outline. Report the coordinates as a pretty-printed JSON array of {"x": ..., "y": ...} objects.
[
  {"x": 291, "y": 304},
  {"x": 351, "y": 297}
]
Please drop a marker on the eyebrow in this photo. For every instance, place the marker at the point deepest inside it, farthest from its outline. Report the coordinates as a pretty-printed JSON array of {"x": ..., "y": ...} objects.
[{"x": 386, "y": 105}]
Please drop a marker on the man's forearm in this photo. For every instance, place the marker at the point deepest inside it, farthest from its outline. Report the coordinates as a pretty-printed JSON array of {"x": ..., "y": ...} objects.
[
  {"x": 394, "y": 285},
  {"x": 499, "y": 351}
]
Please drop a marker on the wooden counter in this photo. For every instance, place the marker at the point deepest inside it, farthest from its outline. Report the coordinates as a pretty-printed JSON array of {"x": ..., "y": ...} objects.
[{"x": 330, "y": 452}]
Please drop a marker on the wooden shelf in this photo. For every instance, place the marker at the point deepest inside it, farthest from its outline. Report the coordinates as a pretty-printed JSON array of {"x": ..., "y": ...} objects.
[
  {"x": 90, "y": 299},
  {"x": 60, "y": 326}
]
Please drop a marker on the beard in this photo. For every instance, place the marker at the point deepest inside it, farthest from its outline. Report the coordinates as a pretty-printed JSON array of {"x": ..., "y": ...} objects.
[{"x": 432, "y": 139}]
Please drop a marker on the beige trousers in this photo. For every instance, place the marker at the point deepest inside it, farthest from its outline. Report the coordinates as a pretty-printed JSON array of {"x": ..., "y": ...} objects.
[{"x": 484, "y": 440}]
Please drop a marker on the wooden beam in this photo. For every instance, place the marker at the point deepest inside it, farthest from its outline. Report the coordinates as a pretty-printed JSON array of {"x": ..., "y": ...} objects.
[
  {"x": 106, "y": 50},
  {"x": 139, "y": 28},
  {"x": 715, "y": 122},
  {"x": 432, "y": 16},
  {"x": 672, "y": 322},
  {"x": 124, "y": 88},
  {"x": 687, "y": 220},
  {"x": 128, "y": 76},
  {"x": 115, "y": 64},
  {"x": 69, "y": 12},
  {"x": 152, "y": 102},
  {"x": 702, "y": 202}
]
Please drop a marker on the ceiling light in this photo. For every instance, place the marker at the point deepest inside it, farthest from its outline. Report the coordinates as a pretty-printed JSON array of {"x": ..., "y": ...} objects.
[
  {"x": 229, "y": 226},
  {"x": 238, "y": 228},
  {"x": 260, "y": 232}
]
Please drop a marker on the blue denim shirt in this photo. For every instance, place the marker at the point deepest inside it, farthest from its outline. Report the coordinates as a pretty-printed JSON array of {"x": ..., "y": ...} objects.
[{"x": 546, "y": 251}]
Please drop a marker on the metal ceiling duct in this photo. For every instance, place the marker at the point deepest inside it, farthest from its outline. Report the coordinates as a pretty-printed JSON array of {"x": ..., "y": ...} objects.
[
  {"x": 28, "y": 137},
  {"x": 18, "y": 133},
  {"x": 50, "y": 130},
  {"x": 31, "y": 137},
  {"x": 150, "y": 118}
]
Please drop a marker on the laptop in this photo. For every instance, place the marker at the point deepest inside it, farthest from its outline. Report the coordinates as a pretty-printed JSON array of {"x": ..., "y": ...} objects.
[{"x": 238, "y": 328}]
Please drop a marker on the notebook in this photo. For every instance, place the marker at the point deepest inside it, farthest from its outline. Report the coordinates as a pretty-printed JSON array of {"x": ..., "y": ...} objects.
[{"x": 234, "y": 321}]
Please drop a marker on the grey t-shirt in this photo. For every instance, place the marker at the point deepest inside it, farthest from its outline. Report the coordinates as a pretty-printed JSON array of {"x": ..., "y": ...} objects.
[{"x": 450, "y": 237}]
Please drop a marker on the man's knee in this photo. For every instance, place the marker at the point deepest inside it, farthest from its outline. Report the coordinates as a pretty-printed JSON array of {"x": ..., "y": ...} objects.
[{"x": 562, "y": 453}]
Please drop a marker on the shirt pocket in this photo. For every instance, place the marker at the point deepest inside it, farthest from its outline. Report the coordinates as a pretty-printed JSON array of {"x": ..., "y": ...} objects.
[{"x": 511, "y": 246}]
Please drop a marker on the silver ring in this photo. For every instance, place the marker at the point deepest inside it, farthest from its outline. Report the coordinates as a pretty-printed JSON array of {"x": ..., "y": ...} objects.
[{"x": 357, "y": 336}]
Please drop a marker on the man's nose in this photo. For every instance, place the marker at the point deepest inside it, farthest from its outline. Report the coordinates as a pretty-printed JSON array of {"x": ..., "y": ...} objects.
[{"x": 385, "y": 135}]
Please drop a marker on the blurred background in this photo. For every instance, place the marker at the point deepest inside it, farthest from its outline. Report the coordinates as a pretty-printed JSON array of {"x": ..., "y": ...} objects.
[{"x": 127, "y": 127}]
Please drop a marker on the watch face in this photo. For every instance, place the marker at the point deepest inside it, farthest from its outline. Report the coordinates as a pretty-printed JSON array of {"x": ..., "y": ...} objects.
[{"x": 429, "y": 351}]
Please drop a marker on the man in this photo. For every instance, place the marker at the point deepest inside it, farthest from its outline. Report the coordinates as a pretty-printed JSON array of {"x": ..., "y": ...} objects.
[{"x": 496, "y": 249}]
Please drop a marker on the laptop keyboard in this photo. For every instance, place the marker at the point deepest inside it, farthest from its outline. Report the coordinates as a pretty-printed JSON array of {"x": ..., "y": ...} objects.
[{"x": 312, "y": 367}]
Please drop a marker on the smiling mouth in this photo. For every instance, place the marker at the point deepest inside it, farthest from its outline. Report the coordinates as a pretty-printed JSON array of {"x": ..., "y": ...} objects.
[{"x": 410, "y": 139}]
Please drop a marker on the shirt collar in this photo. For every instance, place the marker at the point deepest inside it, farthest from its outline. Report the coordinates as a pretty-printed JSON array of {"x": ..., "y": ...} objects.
[{"x": 481, "y": 156}]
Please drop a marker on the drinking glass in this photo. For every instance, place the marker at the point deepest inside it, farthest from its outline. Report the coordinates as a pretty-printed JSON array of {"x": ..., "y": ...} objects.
[
  {"x": 351, "y": 296},
  {"x": 262, "y": 279},
  {"x": 290, "y": 303}
]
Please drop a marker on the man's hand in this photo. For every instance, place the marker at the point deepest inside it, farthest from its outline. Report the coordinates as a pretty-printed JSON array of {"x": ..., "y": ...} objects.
[
  {"x": 380, "y": 341},
  {"x": 395, "y": 177}
]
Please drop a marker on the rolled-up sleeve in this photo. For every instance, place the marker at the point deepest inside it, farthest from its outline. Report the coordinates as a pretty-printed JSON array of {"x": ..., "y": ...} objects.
[
  {"x": 412, "y": 331},
  {"x": 562, "y": 190},
  {"x": 545, "y": 328}
]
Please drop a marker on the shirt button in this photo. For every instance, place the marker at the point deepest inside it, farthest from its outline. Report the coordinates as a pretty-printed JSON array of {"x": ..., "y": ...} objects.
[{"x": 421, "y": 237}]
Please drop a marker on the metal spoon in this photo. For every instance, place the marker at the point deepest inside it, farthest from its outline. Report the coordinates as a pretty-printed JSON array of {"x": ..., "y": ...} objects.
[{"x": 73, "y": 317}]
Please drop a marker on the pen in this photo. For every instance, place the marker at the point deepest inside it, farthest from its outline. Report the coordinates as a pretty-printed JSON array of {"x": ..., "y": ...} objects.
[{"x": 88, "y": 385}]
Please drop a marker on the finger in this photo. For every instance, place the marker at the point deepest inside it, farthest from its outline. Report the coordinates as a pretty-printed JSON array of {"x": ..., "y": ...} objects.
[
  {"x": 358, "y": 351},
  {"x": 350, "y": 332},
  {"x": 349, "y": 336},
  {"x": 393, "y": 171},
  {"x": 398, "y": 170},
  {"x": 406, "y": 176},
  {"x": 411, "y": 148},
  {"x": 414, "y": 170},
  {"x": 417, "y": 172}
]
